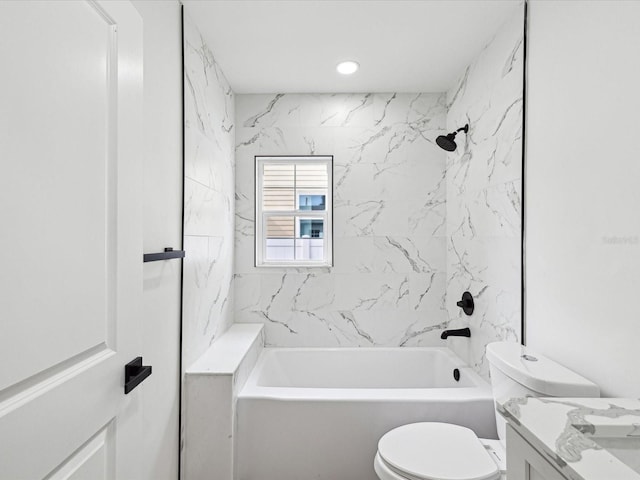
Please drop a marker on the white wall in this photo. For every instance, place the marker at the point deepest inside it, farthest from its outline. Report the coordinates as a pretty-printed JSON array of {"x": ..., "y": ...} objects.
[
  {"x": 484, "y": 177},
  {"x": 582, "y": 189},
  {"x": 387, "y": 285},
  {"x": 162, "y": 192}
]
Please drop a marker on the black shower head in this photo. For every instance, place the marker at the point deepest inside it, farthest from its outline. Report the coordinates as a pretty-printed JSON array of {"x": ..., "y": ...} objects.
[{"x": 447, "y": 142}]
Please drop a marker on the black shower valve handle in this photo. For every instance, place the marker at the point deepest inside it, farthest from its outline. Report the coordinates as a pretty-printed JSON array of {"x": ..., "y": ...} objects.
[{"x": 466, "y": 304}]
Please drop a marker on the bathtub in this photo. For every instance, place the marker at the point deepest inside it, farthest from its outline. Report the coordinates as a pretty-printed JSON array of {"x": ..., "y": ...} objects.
[{"x": 308, "y": 413}]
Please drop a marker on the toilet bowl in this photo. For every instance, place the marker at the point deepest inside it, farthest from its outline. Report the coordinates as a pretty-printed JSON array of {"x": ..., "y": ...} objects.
[{"x": 443, "y": 451}]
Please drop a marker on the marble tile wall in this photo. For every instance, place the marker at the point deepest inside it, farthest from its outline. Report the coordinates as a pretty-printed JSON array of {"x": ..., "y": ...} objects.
[
  {"x": 211, "y": 388},
  {"x": 387, "y": 285},
  {"x": 483, "y": 195},
  {"x": 209, "y": 198}
]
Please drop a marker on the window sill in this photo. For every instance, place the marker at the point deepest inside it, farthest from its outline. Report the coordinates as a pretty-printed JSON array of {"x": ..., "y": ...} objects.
[{"x": 295, "y": 265}]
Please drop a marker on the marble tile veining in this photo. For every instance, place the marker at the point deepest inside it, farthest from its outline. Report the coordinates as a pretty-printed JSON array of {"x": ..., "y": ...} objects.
[
  {"x": 483, "y": 196},
  {"x": 387, "y": 284},
  {"x": 209, "y": 198},
  {"x": 584, "y": 438}
]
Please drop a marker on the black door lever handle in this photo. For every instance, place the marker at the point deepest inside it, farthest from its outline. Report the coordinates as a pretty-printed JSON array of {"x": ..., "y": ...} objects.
[{"x": 135, "y": 373}]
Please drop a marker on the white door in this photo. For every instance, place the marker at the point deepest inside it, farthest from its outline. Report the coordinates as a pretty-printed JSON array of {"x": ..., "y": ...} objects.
[{"x": 70, "y": 238}]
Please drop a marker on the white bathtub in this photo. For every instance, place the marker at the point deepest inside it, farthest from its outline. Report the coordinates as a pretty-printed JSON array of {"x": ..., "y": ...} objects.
[{"x": 309, "y": 413}]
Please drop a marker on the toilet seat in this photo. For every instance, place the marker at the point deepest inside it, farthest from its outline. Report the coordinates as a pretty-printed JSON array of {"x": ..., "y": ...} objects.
[{"x": 434, "y": 451}]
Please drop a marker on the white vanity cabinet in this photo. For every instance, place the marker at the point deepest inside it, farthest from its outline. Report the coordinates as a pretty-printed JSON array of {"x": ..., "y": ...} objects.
[{"x": 525, "y": 462}]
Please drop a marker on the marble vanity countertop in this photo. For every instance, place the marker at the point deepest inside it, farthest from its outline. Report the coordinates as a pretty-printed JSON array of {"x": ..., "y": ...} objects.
[{"x": 584, "y": 438}]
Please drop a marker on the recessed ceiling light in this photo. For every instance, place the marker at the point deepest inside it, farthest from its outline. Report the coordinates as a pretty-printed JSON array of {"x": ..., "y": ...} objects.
[{"x": 348, "y": 67}]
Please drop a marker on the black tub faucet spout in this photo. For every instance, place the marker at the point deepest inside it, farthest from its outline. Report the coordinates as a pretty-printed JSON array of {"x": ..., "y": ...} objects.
[{"x": 460, "y": 332}]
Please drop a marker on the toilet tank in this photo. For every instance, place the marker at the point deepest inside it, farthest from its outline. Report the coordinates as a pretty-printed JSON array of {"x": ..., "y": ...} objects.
[{"x": 518, "y": 371}]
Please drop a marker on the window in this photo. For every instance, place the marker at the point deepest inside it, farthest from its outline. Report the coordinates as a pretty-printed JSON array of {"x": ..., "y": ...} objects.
[{"x": 293, "y": 211}]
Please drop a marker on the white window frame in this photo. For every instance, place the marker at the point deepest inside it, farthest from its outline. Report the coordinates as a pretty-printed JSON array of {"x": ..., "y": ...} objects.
[{"x": 261, "y": 215}]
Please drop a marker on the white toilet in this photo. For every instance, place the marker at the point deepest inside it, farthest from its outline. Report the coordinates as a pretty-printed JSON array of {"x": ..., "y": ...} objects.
[{"x": 444, "y": 451}]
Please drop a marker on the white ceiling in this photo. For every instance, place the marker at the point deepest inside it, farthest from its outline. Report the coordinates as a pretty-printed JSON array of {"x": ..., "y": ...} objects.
[{"x": 293, "y": 46}]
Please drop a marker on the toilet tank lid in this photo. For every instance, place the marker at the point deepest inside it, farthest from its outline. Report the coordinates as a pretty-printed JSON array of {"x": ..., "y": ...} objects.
[{"x": 537, "y": 372}]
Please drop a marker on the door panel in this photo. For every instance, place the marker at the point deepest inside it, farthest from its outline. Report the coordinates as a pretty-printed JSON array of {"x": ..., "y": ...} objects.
[
  {"x": 70, "y": 247},
  {"x": 59, "y": 137},
  {"x": 93, "y": 461}
]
